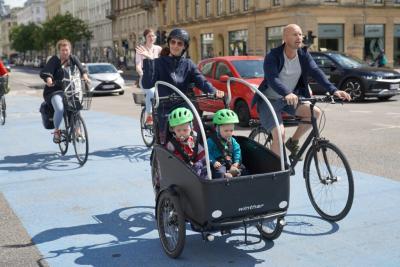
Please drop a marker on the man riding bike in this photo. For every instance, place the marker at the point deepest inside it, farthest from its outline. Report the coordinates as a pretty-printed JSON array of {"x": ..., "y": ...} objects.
[{"x": 286, "y": 72}]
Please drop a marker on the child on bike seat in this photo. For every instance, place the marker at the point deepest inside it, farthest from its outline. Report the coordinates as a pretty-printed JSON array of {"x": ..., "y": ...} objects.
[
  {"x": 184, "y": 143},
  {"x": 224, "y": 150}
]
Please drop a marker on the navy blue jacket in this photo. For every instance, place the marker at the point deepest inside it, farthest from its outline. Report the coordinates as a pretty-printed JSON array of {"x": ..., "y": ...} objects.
[
  {"x": 178, "y": 71},
  {"x": 273, "y": 64}
]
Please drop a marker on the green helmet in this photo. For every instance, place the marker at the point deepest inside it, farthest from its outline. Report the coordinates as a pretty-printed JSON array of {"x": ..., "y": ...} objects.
[
  {"x": 225, "y": 116},
  {"x": 180, "y": 116}
]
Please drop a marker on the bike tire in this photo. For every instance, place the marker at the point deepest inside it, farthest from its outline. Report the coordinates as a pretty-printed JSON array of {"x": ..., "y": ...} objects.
[
  {"x": 261, "y": 136},
  {"x": 65, "y": 136},
  {"x": 146, "y": 130},
  {"x": 171, "y": 224},
  {"x": 81, "y": 142},
  {"x": 3, "y": 109},
  {"x": 329, "y": 181},
  {"x": 270, "y": 230}
]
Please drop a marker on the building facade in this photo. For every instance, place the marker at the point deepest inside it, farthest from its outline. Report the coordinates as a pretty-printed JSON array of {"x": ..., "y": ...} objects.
[
  {"x": 33, "y": 11},
  {"x": 6, "y": 24},
  {"x": 53, "y": 7},
  {"x": 250, "y": 27},
  {"x": 129, "y": 20}
]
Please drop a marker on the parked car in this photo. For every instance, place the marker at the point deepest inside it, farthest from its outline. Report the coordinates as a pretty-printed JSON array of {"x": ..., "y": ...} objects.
[
  {"x": 105, "y": 78},
  {"x": 356, "y": 77},
  {"x": 218, "y": 70}
]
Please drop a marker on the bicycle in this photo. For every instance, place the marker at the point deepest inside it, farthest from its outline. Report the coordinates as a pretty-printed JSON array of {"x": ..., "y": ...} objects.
[
  {"x": 73, "y": 127},
  {"x": 145, "y": 129},
  {"x": 3, "y": 92},
  {"x": 323, "y": 159}
]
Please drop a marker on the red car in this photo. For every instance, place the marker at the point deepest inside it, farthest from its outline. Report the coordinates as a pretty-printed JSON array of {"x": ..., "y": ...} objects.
[{"x": 218, "y": 70}]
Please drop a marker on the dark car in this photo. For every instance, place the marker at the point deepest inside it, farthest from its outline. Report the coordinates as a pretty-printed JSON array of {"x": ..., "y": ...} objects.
[{"x": 356, "y": 77}]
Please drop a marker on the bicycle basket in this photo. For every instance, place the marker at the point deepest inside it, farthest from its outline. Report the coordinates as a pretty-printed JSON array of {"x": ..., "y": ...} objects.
[
  {"x": 139, "y": 98},
  {"x": 87, "y": 100}
]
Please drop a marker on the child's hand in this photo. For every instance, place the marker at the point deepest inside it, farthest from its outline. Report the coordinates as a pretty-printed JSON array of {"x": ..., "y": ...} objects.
[
  {"x": 228, "y": 175},
  {"x": 217, "y": 164}
]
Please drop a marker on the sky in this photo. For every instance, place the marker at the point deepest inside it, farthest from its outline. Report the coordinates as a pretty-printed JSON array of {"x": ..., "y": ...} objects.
[{"x": 14, "y": 3}]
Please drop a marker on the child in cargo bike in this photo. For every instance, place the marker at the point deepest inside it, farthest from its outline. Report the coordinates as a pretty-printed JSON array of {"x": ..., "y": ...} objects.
[
  {"x": 224, "y": 150},
  {"x": 184, "y": 142}
]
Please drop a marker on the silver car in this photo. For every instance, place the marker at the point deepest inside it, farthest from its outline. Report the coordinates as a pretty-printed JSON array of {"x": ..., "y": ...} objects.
[{"x": 105, "y": 78}]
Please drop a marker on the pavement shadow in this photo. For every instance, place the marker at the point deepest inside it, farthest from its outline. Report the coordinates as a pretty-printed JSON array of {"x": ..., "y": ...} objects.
[
  {"x": 132, "y": 153},
  {"x": 135, "y": 245},
  {"x": 308, "y": 225},
  {"x": 35, "y": 161}
]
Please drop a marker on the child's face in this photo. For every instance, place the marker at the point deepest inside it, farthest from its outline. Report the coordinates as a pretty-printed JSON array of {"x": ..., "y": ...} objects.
[
  {"x": 182, "y": 131},
  {"x": 226, "y": 130}
]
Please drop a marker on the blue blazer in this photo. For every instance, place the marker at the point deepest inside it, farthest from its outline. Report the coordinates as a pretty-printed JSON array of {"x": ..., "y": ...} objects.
[{"x": 273, "y": 64}]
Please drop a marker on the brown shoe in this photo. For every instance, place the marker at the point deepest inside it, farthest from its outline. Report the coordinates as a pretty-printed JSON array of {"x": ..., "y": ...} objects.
[
  {"x": 149, "y": 120},
  {"x": 57, "y": 136}
]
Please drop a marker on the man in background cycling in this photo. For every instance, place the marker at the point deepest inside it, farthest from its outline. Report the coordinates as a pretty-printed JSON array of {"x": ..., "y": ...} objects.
[{"x": 286, "y": 72}]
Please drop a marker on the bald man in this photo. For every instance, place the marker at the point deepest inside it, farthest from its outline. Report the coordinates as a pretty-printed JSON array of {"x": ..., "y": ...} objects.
[{"x": 286, "y": 72}]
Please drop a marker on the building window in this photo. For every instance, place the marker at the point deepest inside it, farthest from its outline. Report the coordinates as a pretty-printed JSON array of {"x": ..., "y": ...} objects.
[
  {"x": 330, "y": 37},
  {"x": 238, "y": 43},
  {"x": 164, "y": 9},
  {"x": 208, "y": 8},
  {"x": 187, "y": 9},
  {"x": 330, "y": 1},
  {"x": 274, "y": 37},
  {"x": 178, "y": 9},
  {"x": 197, "y": 8},
  {"x": 245, "y": 5},
  {"x": 276, "y": 2},
  {"x": 396, "y": 1},
  {"x": 396, "y": 45},
  {"x": 232, "y": 6},
  {"x": 378, "y": 1},
  {"x": 374, "y": 41},
  {"x": 220, "y": 8},
  {"x": 207, "y": 49}
]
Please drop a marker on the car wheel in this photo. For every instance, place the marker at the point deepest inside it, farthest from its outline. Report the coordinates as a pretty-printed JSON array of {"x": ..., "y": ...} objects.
[
  {"x": 121, "y": 93},
  {"x": 384, "y": 98},
  {"x": 243, "y": 112},
  {"x": 354, "y": 88}
]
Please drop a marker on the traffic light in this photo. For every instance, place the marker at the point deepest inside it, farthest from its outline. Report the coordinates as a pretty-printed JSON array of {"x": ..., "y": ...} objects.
[
  {"x": 163, "y": 37},
  {"x": 309, "y": 38}
]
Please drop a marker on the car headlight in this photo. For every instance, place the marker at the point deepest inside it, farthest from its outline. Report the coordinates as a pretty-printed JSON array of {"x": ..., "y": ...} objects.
[{"x": 372, "y": 77}]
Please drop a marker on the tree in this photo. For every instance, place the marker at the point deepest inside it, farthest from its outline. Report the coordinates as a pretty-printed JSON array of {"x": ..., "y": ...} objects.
[
  {"x": 65, "y": 27},
  {"x": 24, "y": 37}
]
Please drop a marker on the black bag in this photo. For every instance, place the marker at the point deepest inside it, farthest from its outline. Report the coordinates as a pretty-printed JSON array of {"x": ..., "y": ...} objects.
[{"x": 47, "y": 112}]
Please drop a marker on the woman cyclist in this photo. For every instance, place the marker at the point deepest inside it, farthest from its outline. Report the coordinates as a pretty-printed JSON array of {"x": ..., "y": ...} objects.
[
  {"x": 154, "y": 52},
  {"x": 174, "y": 69},
  {"x": 57, "y": 68}
]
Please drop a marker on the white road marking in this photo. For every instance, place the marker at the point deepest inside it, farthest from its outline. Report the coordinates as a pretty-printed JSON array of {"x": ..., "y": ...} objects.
[
  {"x": 360, "y": 111},
  {"x": 385, "y": 127}
]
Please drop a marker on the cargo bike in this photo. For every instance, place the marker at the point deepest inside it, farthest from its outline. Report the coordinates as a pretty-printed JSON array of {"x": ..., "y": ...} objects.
[{"x": 260, "y": 198}]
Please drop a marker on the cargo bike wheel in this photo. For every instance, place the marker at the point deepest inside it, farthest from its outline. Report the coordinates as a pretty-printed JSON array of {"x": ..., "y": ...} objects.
[
  {"x": 171, "y": 224},
  {"x": 271, "y": 230},
  {"x": 261, "y": 136},
  {"x": 329, "y": 181},
  {"x": 146, "y": 130}
]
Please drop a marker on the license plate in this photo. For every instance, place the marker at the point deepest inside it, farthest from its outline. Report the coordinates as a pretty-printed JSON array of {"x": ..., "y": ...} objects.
[
  {"x": 108, "y": 86},
  {"x": 394, "y": 86}
]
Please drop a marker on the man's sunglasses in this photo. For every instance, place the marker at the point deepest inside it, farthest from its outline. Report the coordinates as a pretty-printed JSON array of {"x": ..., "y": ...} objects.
[{"x": 178, "y": 43}]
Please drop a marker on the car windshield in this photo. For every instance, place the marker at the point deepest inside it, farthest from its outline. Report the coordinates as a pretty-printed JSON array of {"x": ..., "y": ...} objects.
[
  {"x": 93, "y": 69},
  {"x": 249, "y": 68},
  {"x": 348, "y": 61}
]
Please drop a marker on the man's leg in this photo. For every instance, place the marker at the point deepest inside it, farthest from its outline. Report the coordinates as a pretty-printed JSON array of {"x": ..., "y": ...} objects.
[
  {"x": 303, "y": 111},
  {"x": 275, "y": 139}
]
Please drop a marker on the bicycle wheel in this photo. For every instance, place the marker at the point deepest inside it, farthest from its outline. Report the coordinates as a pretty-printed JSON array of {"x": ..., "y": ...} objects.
[
  {"x": 261, "y": 136},
  {"x": 329, "y": 181},
  {"x": 171, "y": 224},
  {"x": 271, "y": 229},
  {"x": 80, "y": 139},
  {"x": 146, "y": 130},
  {"x": 3, "y": 110},
  {"x": 63, "y": 145}
]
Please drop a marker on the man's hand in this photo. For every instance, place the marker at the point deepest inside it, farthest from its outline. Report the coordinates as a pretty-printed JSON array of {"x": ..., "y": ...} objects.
[
  {"x": 342, "y": 95},
  {"x": 292, "y": 99},
  {"x": 219, "y": 94},
  {"x": 85, "y": 77}
]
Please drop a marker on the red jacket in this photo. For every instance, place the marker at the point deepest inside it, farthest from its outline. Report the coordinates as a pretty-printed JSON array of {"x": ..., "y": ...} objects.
[{"x": 3, "y": 70}]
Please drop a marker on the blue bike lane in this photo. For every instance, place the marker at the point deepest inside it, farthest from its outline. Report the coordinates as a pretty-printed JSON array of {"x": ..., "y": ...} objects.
[{"x": 102, "y": 214}]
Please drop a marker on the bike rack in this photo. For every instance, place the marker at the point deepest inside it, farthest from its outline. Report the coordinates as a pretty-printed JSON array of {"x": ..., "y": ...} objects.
[
  {"x": 255, "y": 90},
  {"x": 196, "y": 114}
]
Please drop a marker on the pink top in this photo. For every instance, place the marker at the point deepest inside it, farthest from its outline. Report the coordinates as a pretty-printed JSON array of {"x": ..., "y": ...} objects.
[{"x": 154, "y": 51}]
